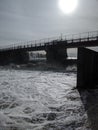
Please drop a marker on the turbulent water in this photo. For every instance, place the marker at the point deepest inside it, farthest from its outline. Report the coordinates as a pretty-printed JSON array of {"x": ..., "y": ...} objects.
[{"x": 41, "y": 100}]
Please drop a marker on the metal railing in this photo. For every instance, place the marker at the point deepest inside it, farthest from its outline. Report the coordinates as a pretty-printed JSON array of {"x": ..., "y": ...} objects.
[{"x": 70, "y": 38}]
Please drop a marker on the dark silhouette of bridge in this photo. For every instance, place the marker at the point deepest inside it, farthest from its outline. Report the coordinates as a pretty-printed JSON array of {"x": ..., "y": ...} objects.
[
  {"x": 56, "y": 51},
  {"x": 55, "y": 47},
  {"x": 86, "y": 39}
]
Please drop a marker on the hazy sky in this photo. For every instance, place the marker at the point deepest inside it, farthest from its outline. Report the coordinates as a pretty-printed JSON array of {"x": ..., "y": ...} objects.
[{"x": 23, "y": 20}]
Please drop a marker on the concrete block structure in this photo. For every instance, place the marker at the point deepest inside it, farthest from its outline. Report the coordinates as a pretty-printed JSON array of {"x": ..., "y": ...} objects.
[{"x": 87, "y": 68}]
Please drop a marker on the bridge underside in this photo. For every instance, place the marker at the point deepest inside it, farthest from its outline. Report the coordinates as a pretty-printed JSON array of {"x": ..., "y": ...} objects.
[
  {"x": 87, "y": 68},
  {"x": 54, "y": 54},
  {"x": 17, "y": 57}
]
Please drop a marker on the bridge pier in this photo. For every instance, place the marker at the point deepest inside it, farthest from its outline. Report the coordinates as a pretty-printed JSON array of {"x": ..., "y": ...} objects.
[
  {"x": 3, "y": 58},
  {"x": 14, "y": 56},
  {"x": 20, "y": 57},
  {"x": 56, "y": 54},
  {"x": 87, "y": 68}
]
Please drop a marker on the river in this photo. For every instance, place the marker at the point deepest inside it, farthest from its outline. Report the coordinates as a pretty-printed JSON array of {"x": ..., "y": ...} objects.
[{"x": 41, "y": 100}]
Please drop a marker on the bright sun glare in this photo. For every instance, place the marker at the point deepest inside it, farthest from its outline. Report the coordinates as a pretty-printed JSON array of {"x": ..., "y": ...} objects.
[{"x": 68, "y": 6}]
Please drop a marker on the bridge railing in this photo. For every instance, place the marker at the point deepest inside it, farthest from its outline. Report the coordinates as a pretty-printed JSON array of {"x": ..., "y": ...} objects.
[{"x": 80, "y": 37}]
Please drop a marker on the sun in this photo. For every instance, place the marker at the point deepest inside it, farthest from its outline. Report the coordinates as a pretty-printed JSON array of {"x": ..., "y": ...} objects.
[{"x": 68, "y": 6}]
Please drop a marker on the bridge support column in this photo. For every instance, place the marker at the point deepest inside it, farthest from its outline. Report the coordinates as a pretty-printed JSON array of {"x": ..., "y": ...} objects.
[
  {"x": 20, "y": 57},
  {"x": 4, "y": 58},
  {"x": 87, "y": 68},
  {"x": 56, "y": 54},
  {"x": 14, "y": 56}
]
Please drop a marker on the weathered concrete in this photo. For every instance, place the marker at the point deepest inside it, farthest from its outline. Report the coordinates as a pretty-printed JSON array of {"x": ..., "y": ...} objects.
[
  {"x": 87, "y": 68},
  {"x": 16, "y": 57},
  {"x": 56, "y": 54}
]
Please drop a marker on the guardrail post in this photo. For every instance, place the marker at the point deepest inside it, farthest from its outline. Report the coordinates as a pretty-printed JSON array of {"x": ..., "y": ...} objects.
[
  {"x": 61, "y": 37},
  {"x": 80, "y": 39},
  {"x": 97, "y": 35},
  {"x": 88, "y": 36}
]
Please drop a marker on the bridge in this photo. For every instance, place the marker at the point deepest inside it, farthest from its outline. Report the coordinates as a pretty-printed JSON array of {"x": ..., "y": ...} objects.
[
  {"x": 86, "y": 39},
  {"x": 55, "y": 47},
  {"x": 56, "y": 51}
]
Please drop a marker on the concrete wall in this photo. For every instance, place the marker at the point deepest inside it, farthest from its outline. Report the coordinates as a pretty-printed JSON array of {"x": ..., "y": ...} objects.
[{"x": 87, "y": 68}]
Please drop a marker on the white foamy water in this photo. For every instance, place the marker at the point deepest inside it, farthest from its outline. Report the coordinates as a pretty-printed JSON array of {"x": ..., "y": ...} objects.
[{"x": 40, "y": 100}]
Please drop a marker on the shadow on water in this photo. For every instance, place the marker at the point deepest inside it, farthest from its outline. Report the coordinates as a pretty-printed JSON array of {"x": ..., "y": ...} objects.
[{"x": 89, "y": 98}]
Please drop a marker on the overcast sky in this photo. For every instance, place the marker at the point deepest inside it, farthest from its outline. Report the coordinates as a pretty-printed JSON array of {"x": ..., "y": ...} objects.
[{"x": 23, "y": 20}]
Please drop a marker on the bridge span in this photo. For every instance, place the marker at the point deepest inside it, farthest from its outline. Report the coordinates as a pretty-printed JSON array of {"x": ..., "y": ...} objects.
[
  {"x": 87, "y": 39},
  {"x": 55, "y": 47},
  {"x": 56, "y": 51}
]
